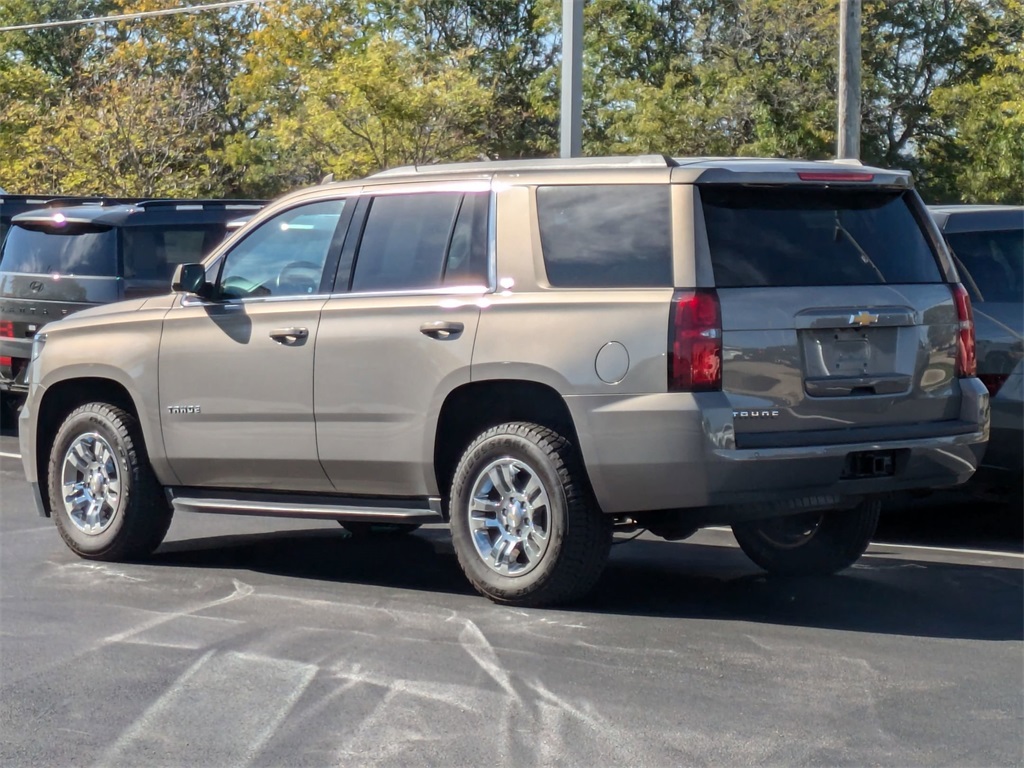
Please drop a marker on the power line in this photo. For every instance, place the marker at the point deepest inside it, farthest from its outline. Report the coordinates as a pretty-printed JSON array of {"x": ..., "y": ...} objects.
[{"x": 129, "y": 16}]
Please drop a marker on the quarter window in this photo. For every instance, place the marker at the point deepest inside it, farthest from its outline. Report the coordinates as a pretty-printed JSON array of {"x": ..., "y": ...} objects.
[
  {"x": 606, "y": 236},
  {"x": 284, "y": 256}
]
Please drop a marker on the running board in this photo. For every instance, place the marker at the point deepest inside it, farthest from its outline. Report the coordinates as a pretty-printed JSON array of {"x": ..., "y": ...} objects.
[{"x": 306, "y": 506}]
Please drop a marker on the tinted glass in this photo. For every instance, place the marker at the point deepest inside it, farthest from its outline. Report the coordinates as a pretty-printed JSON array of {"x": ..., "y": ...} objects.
[
  {"x": 405, "y": 241},
  {"x": 762, "y": 236},
  {"x": 994, "y": 261},
  {"x": 467, "y": 254},
  {"x": 285, "y": 255},
  {"x": 606, "y": 236},
  {"x": 152, "y": 253},
  {"x": 68, "y": 251}
]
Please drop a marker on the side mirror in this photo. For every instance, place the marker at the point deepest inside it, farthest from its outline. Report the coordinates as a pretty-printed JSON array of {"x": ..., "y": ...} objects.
[{"x": 190, "y": 278}]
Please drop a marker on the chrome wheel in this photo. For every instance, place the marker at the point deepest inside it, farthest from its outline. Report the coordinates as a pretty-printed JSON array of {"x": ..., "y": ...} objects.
[
  {"x": 509, "y": 517},
  {"x": 91, "y": 484}
]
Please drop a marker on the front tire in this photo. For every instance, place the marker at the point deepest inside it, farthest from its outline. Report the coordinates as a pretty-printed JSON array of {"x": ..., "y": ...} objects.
[
  {"x": 525, "y": 528},
  {"x": 104, "y": 498},
  {"x": 810, "y": 544}
]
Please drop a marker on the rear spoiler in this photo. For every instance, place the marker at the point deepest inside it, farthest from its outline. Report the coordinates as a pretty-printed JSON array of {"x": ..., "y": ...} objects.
[{"x": 844, "y": 173}]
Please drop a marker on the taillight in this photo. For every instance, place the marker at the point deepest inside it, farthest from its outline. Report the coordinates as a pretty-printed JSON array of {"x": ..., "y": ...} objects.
[
  {"x": 6, "y": 332},
  {"x": 993, "y": 381},
  {"x": 966, "y": 356},
  {"x": 830, "y": 176},
  {"x": 695, "y": 342}
]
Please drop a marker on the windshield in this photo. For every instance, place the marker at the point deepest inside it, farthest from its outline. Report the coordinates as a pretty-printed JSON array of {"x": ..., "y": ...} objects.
[
  {"x": 70, "y": 251},
  {"x": 771, "y": 236},
  {"x": 994, "y": 261}
]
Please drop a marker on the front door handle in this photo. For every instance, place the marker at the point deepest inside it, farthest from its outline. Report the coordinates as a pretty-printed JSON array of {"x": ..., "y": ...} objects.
[
  {"x": 289, "y": 335},
  {"x": 442, "y": 329}
]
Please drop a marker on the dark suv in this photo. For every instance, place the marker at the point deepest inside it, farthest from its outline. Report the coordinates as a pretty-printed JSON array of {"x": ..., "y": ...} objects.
[
  {"x": 987, "y": 243},
  {"x": 62, "y": 258}
]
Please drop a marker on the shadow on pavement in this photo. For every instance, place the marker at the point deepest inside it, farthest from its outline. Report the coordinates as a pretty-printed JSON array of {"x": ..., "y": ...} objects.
[
  {"x": 967, "y": 523},
  {"x": 661, "y": 579}
]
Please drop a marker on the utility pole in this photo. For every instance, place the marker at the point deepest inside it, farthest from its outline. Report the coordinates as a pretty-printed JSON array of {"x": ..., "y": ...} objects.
[
  {"x": 848, "y": 138},
  {"x": 572, "y": 79}
]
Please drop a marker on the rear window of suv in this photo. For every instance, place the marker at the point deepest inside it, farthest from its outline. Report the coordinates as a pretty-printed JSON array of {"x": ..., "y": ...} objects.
[
  {"x": 771, "y": 236},
  {"x": 615, "y": 236},
  {"x": 73, "y": 250}
]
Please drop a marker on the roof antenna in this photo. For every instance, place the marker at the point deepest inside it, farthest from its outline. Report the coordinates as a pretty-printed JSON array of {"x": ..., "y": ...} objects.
[{"x": 327, "y": 179}]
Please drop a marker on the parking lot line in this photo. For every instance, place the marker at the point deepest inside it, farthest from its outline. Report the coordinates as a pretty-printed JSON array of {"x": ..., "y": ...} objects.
[
  {"x": 10, "y": 455},
  {"x": 954, "y": 550}
]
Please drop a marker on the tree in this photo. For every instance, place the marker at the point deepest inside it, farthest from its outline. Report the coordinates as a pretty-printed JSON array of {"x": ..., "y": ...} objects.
[
  {"x": 123, "y": 133},
  {"x": 981, "y": 156},
  {"x": 336, "y": 91}
]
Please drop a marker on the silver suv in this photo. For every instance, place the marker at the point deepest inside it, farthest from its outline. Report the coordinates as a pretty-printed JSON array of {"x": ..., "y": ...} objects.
[{"x": 537, "y": 353}]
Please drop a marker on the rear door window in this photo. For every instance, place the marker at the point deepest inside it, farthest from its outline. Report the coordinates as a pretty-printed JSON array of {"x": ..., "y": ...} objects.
[
  {"x": 405, "y": 242},
  {"x": 613, "y": 236},
  {"x": 993, "y": 261},
  {"x": 770, "y": 236},
  {"x": 466, "y": 263},
  {"x": 71, "y": 250}
]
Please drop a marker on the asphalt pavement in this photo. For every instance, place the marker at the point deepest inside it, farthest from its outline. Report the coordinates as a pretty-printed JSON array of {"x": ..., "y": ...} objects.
[{"x": 251, "y": 642}]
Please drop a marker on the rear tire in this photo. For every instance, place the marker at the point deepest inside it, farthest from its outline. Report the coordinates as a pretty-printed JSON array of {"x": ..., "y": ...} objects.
[
  {"x": 525, "y": 528},
  {"x": 104, "y": 498},
  {"x": 810, "y": 544}
]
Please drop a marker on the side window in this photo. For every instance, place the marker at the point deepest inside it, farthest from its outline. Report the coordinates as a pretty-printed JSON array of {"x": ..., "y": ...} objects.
[
  {"x": 606, "y": 236},
  {"x": 285, "y": 255},
  {"x": 467, "y": 254},
  {"x": 405, "y": 241},
  {"x": 152, "y": 253}
]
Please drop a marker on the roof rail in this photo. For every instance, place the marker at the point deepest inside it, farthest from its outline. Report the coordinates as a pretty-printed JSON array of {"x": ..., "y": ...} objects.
[
  {"x": 205, "y": 203},
  {"x": 538, "y": 164},
  {"x": 55, "y": 202}
]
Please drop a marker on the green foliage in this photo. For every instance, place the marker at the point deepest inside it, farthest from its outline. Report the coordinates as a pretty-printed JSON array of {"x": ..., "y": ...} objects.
[
  {"x": 981, "y": 159},
  {"x": 261, "y": 99}
]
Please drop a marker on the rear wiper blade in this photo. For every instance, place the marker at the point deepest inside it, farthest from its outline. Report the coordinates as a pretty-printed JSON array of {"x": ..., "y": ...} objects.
[{"x": 842, "y": 230}]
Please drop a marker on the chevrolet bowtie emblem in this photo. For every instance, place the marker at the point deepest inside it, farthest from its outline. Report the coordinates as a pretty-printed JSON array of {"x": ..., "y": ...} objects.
[{"x": 863, "y": 318}]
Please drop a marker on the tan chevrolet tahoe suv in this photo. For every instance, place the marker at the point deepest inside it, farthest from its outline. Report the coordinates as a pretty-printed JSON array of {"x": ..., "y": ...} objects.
[{"x": 537, "y": 353}]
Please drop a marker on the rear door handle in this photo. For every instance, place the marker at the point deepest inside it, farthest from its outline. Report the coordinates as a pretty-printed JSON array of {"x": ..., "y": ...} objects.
[
  {"x": 289, "y": 335},
  {"x": 442, "y": 329}
]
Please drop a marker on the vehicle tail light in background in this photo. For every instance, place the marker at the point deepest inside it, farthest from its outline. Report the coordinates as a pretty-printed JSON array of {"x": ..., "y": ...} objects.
[
  {"x": 966, "y": 354},
  {"x": 993, "y": 381},
  {"x": 830, "y": 176},
  {"x": 695, "y": 341},
  {"x": 6, "y": 332}
]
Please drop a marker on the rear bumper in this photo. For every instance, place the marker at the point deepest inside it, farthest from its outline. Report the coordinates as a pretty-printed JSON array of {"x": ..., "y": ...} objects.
[{"x": 676, "y": 451}]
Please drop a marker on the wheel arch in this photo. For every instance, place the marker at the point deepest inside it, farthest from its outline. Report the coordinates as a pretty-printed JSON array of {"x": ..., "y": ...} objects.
[
  {"x": 472, "y": 408},
  {"x": 64, "y": 396}
]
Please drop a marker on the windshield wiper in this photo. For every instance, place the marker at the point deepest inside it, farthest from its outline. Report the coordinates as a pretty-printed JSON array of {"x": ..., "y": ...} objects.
[{"x": 842, "y": 230}]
